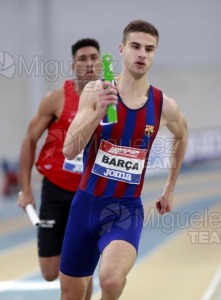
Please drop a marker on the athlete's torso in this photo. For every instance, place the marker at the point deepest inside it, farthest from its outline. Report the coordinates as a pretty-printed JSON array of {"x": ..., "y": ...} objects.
[
  {"x": 115, "y": 159},
  {"x": 51, "y": 161}
]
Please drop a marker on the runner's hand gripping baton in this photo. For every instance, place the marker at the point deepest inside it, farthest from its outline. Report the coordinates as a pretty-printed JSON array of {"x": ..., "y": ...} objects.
[
  {"x": 109, "y": 76},
  {"x": 31, "y": 212}
]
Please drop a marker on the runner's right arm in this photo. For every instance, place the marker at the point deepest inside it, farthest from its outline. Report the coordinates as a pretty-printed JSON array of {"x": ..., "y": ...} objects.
[
  {"x": 92, "y": 108},
  {"x": 37, "y": 126}
]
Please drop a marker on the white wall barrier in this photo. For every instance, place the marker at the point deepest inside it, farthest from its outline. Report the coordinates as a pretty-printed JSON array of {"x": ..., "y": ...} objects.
[{"x": 203, "y": 144}]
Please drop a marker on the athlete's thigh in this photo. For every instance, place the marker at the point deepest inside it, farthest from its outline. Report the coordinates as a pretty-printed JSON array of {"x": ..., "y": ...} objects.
[
  {"x": 80, "y": 252},
  {"x": 117, "y": 259},
  {"x": 50, "y": 264}
]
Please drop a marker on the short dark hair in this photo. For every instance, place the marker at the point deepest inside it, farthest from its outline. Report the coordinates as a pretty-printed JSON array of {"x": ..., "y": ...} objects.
[
  {"x": 84, "y": 43},
  {"x": 140, "y": 26}
]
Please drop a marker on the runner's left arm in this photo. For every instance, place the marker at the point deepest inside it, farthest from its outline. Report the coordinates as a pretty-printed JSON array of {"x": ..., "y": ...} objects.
[{"x": 173, "y": 119}]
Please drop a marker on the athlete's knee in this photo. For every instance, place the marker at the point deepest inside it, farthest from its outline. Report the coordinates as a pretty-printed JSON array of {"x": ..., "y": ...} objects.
[
  {"x": 50, "y": 275},
  {"x": 49, "y": 267},
  {"x": 112, "y": 284}
]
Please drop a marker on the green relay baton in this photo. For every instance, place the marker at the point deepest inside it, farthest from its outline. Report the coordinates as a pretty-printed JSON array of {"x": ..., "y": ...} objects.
[{"x": 109, "y": 76}]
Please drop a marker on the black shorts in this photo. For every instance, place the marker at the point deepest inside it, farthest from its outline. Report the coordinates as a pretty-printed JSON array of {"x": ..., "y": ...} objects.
[{"x": 54, "y": 211}]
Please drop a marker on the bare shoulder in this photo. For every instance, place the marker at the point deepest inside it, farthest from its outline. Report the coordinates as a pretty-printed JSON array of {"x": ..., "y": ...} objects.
[
  {"x": 172, "y": 117},
  {"x": 55, "y": 94},
  {"x": 170, "y": 110},
  {"x": 52, "y": 103},
  {"x": 48, "y": 109}
]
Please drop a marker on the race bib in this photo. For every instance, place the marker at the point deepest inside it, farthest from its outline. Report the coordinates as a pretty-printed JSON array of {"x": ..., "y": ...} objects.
[
  {"x": 119, "y": 162},
  {"x": 74, "y": 165}
]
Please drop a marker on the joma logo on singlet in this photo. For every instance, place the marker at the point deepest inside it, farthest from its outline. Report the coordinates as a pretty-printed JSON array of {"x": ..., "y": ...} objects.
[
  {"x": 128, "y": 165},
  {"x": 118, "y": 174}
]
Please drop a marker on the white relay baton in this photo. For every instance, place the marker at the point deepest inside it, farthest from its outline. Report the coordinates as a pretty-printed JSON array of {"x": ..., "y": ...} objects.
[{"x": 32, "y": 214}]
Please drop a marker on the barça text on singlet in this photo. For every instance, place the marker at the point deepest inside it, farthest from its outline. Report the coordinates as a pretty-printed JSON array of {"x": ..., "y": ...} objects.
[{"x": 119, "y": 163}]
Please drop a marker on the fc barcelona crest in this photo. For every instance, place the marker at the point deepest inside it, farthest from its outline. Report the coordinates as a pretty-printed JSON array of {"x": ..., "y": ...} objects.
[{"x": 149, "y": 130}]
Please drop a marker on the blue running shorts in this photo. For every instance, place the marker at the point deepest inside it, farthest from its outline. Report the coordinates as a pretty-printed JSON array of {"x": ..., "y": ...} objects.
[{"x": 92, "y": 224}]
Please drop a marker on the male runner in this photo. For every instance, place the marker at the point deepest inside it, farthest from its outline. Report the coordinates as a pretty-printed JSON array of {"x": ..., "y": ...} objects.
[
  {"x": 106, "y": 215},
  {"x": 61, "y": 176}
]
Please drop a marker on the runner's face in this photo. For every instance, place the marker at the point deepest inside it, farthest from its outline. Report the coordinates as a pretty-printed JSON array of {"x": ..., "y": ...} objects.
[
  {"x": 86, "y": 64},
  {"x": 138, "y": 52}
]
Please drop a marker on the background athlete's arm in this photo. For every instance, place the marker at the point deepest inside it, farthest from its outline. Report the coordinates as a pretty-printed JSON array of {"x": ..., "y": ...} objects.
[
  {"x": 92, "y": 108},
  {"x": 176, "y": 123},
  {"x": 37, "y": 126}
]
